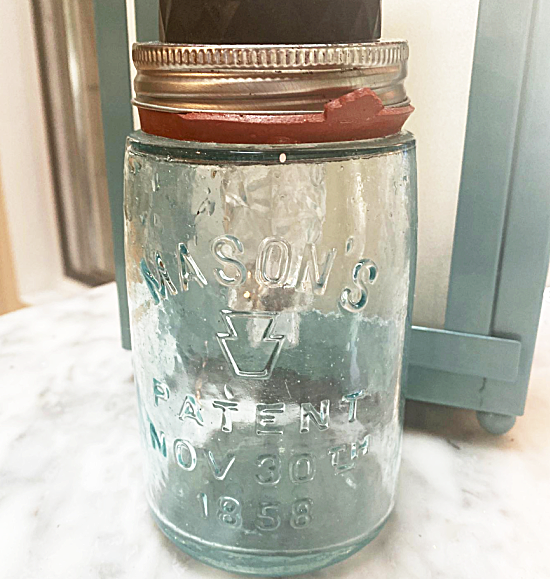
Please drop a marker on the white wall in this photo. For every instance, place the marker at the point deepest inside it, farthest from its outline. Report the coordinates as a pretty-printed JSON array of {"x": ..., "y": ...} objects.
[
  {"x": 24, "y": 167},
  {"x": 441, "y": 37}
]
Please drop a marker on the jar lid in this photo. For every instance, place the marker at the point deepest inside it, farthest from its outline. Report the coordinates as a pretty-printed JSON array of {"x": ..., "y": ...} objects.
[{"x": 266, "y": 79}]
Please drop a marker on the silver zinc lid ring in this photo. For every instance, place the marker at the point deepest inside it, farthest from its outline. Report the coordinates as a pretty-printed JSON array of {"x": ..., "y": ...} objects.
[{"x": 266, "y": 79}]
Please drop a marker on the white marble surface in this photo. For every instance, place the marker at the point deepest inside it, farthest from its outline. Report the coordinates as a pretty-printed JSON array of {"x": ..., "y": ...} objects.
[{"x": 72, "y": 504}]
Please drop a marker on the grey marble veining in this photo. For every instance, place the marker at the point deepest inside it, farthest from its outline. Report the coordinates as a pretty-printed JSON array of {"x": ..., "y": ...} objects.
[{"x": 72, "y": 503}]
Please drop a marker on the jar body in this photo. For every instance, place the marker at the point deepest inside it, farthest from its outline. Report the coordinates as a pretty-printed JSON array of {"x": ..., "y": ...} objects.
[{"x": 269, "y": 291}]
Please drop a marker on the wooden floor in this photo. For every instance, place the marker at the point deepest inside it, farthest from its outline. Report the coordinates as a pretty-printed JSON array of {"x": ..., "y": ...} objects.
[{"x": 9, "y": 300}]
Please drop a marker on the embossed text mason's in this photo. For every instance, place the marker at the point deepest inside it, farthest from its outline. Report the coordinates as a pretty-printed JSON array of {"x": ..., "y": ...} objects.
[{"x": 270, "y": 218}]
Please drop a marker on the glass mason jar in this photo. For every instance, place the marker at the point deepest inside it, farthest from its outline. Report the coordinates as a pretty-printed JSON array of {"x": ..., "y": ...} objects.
[{"x": 269, "y": 289}]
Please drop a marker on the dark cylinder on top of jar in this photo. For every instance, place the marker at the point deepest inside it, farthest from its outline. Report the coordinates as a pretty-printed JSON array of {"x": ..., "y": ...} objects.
[{"x": 269, "y": 21}]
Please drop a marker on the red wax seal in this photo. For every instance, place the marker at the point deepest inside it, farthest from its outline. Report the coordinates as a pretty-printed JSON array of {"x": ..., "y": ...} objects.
[{"x": 357, "y": 115}]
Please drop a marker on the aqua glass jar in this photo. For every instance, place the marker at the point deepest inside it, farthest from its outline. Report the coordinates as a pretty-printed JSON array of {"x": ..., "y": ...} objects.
[{"x": 270, "y": 290}]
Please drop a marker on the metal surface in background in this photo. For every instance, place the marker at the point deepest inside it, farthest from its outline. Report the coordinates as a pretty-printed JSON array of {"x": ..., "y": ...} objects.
[{"x": 69, "y": 73}]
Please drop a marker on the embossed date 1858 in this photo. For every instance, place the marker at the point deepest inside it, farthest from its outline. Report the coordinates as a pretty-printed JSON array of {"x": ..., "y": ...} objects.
[{"x": 267, "y": 516}]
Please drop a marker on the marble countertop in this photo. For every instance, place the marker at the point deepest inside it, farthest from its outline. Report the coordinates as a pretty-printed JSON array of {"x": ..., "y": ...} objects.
[{"x": 72, "y": 505}]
